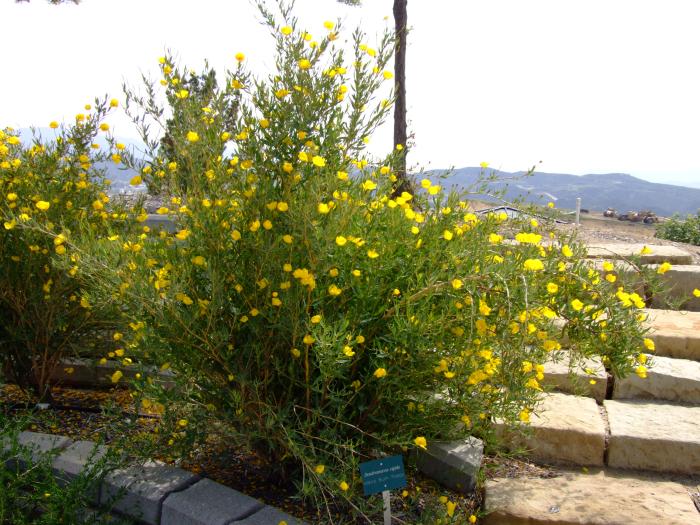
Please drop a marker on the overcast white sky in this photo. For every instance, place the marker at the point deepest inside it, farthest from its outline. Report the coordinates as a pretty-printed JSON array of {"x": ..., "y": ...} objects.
[{"x": 585, "y": 86}]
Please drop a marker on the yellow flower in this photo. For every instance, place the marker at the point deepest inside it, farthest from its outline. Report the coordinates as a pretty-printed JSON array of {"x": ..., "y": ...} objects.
[
  {"x": 451, "y": 506},
  {"x": 388, "y": 75},
  {"x": 663, "y": 268},
  {"x": 323, "y": 208},
  {"x": 235, "y": 235},
  {"x": 288, "y": 239},
  {"x": 113, "y": 103},
  {"x": 342, "y": 175},
  {"x": 369, "y": 185},
  {"x": 576, "y": 305},
  {"x": 182, "y": 423},
  {"x": 334, "y": 291},
  {"x": 372, "y": 254},
  {"x": 199, "y": 260},
  {"x": 282, "y": 206},
  {"x": 192, "y": 136},
  {"x": 295, "y": 353},
  {"x": 608, "y": 266},
  {"x": 43, "y": 205},
  {"x": 304, "y": 63},
  {"x": 308, "y": 339},
  {"x": 104, "y": 126},
  {"x": 340, "y": 240},
  {"x": 348, "y": 351},
  {"x": 696, "y": 292},
  {"x": 484, "y": 165},
  {"x": 457, "y": 284},
  {"x": 319, "y": 162},
  {"x": 645, "y": 250},
  {"x": 550, "y": 205},
  {"x": 533, "y": 265},
  {"x": 319, "y": 469},
  {"x": 286, "y": 30},
  {"x": 240, "y": 57},
  {"x": 472, "y": 518},
  {"x": 116, "y": 376},
  {"x": 420, "y": 441},
  {"x": 524, "y": 415},
  {"x": 447, "y": 235},
  {"x": 379, "y": 373},
  {"x": 344, "y": 486},
  {"x": 267, "y": 224},
  {"x": 641, "y": 371},
  {"x": 10, "y": 224},
  {"x": 566, "y": 251},
  {"x": 649, "y": 344},
  {"x": 494, "y": 238},
  {"x": 552, "y": 288},
  {"x": 182, "y": 234},
  {"x": 53, "y": 124}
]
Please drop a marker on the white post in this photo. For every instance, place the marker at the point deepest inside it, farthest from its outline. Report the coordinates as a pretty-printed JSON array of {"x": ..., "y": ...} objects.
[
  {"x": 387, "y": 507},
  {"x": 578, "y": 211}
]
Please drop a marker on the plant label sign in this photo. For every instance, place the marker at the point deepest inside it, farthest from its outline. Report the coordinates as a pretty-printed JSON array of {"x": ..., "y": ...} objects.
[{"x": 383, "y": 475}]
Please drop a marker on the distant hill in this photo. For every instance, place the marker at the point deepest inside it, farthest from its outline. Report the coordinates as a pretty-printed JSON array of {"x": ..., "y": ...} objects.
[{"x": 597, "y": 191}]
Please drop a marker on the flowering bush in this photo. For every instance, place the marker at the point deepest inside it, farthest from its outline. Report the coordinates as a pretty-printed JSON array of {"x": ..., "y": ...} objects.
[
  {"x": 680, "y": 230},
  {"x": 50, "y": 194},
  {"x": 322, "y": 317}
]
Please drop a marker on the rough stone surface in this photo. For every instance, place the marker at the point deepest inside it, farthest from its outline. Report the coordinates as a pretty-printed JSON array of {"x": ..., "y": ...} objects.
[
  {"x": 74, "y": 372},
  {"x": 681, "y": 281},
  {"x": 676, "y": 333},
  {"x": 207, "y": 503},
  {"x": 454, "y": 464},
  {"x": 558, "y": 374},
  {"x": 597, "y": 498},
  {"x": 565, "y": 429},
  {"x": 650, "y": 435},
  {"x": 659, "y": 253},
  {"x": 667, "y": 379},
  {"x": 38, "y": 445},
  {"x": 269, "y": 516},
  {"x": 139, "y": 491}
]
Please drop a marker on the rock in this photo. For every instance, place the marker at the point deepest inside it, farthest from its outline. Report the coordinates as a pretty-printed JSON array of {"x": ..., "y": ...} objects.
[
  {"x": 598, "y": 498},
  {"x": 37, "y": 445},
  {"x": 139, "y": 491},
  {"x": 675, "y": 333},
  {"x": 454, "y": 464},
  {"x": 565, "y": 429},
  {"x": 269, "y": 516},
  {"x": 557, "y": 373},
  {"x": 76, "y": 460},
  {"x": 658, "y": 254},
  {"x": 667, "y": 379},
  {"x": 207, "y": 503},
  {"x": 651, "y": 435},
  {"x": 680, "y": 280}
]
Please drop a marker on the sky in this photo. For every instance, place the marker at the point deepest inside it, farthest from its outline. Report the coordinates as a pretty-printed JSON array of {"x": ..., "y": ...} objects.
[{"x": 571, "y": 86}]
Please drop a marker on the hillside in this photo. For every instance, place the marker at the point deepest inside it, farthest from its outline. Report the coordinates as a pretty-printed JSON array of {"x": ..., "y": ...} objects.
[{"x": 597, "y": 191}]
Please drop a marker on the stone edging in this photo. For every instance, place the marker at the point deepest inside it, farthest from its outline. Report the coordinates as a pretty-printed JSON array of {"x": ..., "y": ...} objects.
[{"x": 155, "y": 493}]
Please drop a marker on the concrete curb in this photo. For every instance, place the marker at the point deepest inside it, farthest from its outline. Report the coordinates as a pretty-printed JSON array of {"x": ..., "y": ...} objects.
[{"x": 155, "y": 493}]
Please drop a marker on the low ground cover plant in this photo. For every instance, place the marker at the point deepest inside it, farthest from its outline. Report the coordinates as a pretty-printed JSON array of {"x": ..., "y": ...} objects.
[
  {"x": 323, "y": 316},
  {"x": 681, "y": 230},
  {"x": 31, "y": 492}
]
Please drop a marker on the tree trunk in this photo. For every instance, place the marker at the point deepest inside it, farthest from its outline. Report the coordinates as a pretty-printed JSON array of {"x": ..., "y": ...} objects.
[{"x": 400, "y": 21}]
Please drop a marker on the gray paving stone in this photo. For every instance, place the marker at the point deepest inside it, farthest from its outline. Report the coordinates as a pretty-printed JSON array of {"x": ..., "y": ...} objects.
[
  {"x": 38, "y": 445},
  {"x": 139, "y": 491},
  {"x": 77, "y": 459},
  {"x": 454, "y": 464},
  {"x": 207, "y": 503},
  {"x": 269, "y": 516}
]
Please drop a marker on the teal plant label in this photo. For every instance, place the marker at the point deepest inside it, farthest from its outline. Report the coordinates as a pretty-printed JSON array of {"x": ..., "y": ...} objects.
[{"x": 383, "y": 474}]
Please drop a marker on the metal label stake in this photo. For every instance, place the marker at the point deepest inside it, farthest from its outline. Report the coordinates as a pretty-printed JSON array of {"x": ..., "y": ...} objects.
[{"x": 387, "y": 507}]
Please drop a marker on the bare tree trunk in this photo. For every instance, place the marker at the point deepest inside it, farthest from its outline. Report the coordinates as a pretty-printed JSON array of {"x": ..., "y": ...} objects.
[{"x": 400, "y": 20}]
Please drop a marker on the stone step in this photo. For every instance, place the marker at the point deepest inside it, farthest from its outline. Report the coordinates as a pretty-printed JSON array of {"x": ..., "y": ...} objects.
[
  {"x": 657, "y": 255},
  {"x": 601, "y": 497},
  {"x": 587, "y": 378},
  {"x": 653, "y": 435},
  {"x": 681, "y": 280},
  {"x": 668, "y": 379},
  {"x": 675, "y": 333},
  {"x": 563, "y": 429}
]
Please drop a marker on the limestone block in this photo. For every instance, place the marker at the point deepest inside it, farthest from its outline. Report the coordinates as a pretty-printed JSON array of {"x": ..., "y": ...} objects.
[
  {"x": 681, "y": 280},
  {"x": 558, "y": 374},
  {"x": 658, "y": 254},
  {"x": 597, "y": 498},
  {"x": 75, "y": 460},
  {"x": 668, "y": 379},
  {"x": 653, "y": 435},
  {"x": 207, "y": 503},
  {"x": 139, "y": 491},
  {"x": 454, "y": 464},
  {"x": 564, "y": 429},
  {"x": 675, "y": 333}
]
